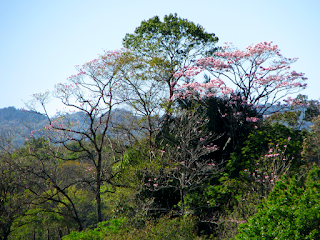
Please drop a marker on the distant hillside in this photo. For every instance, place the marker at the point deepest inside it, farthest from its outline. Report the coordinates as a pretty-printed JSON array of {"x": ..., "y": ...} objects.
[
  {"x": 20, "y": 123},
  {"x": 11, "y": 117}
]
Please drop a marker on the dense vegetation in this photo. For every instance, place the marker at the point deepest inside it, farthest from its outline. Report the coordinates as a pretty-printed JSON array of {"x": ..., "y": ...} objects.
[{"x": 185, "y": 160}]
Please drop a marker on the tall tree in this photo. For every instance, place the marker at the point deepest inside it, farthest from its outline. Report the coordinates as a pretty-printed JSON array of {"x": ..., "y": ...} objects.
[
  {"x": 187, "y": 145},
  {"x": 93, "y": 93},
  {"x": 170, "y": 45},
  {"x": 47, "y": 179},
  {"x": 260, "y": 74},
  {"x": 14, "y": 201},
  {"x": 142, "y": 95}
]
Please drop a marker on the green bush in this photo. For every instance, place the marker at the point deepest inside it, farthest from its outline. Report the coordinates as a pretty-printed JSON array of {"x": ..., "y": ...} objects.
[
  {"x": 107, "y": 228},
  {"x": 163, "y": 228},
  {"x": 290, "y": 212}
]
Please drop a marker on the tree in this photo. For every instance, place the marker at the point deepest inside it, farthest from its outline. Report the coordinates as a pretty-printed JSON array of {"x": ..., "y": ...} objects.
[
  {"x": 186, "y": 147},
  {"x": 48, "y": 180},
  {"x": 93, "y": 94},
  {"x": 260, "y": 75},
  {"x": 311, "y": 143},
  {"x": 233, "y": 120},
  {"x": 170, "y": 45},
  {"x": 312, "y": 111},
  {"x": 14, "y": 201},
  {"x": 299, "y": 115},
  {"x": 143, "y": 96},
  {"x": 290, "y": 212}
]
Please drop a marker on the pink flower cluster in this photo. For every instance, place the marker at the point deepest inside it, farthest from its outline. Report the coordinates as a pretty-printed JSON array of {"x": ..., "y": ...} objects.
[
  {"x": 272, "y": 155},
  {"x": 214, "y": 147},
  {"x": 50, "y": 127},
  {"x": 260, "y": 70},
  {"x": 252, "y": 119},
  {"x": 294, "y": 102},
  {"x": 209, "y": 89}
]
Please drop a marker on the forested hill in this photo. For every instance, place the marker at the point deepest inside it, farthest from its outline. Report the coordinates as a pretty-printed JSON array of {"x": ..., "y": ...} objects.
[
  {"x": 19, "y": 123},
  {"x": 12, "y": 117}
]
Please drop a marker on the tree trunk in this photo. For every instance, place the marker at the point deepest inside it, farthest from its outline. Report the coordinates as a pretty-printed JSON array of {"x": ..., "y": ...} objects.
[
  {"x": 60, "y": 233},
  {"x": 98, "y": 202},
  {"x": 182, "y": 201},
  {"x": 98, "y": 195}
]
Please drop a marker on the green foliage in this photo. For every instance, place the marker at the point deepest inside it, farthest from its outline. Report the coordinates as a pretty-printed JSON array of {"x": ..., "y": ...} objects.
[
  {"x": 291, "y": 119},
  {"x": 41, "y": 224},
  {"x": 311, "y": 143},
  {"x": 169, "y": 45},
  {"x": 121, "y": 228},
  {"x": 312, "y": 111},
  {"x": 202, "y": 158},
  {"x": 290, "y": 212},
  {"x": 121, "y": 203},
  {"x": 299, "y": 115},
  {"x": 104, "y": 229},
  {"x": 233, "y": 196},
  {"x": 14, "y": 200},
  {"x": 258, "y": 143},
  {"x": 174, "y": 36},
  {"x": 134, "y": 163}
]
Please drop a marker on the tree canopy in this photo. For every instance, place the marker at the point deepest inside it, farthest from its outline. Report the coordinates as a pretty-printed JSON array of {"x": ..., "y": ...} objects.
[
  {"x": 145, "y": 150},
  {"x": 171, "y": 44}
]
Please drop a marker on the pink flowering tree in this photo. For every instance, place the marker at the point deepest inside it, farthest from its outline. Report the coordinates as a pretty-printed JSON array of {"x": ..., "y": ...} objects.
[
  {"x": 260, "y": 75},
  {"x": 186, "y": 149},
  {"x": 228, "y": 112},
  {"x": 259, "y": 181},
  {"x": 269, "y": 168},
  {"x": 93, "y": 94}
]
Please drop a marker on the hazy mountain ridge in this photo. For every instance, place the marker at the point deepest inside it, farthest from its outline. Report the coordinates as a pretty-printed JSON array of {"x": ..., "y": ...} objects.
[
  {"x": 11, "y": 116},
  {"x": 19, "y": 123}
]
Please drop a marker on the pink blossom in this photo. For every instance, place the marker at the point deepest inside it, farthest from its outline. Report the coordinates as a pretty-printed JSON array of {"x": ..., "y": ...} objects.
[
  {"x": 252, "y": 119},
  {"x": 265, "y": 76}
]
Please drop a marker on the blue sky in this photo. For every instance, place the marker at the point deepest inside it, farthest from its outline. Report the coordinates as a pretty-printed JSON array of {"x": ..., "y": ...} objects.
[{"x": 41, "y": 41}]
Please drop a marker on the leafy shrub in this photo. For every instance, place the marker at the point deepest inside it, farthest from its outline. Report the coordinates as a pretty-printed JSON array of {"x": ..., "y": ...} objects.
[
  {"x": 290, "y": 212},
  {"x": 104, "y": 229},
  {"x": 121, "y": 228}
]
